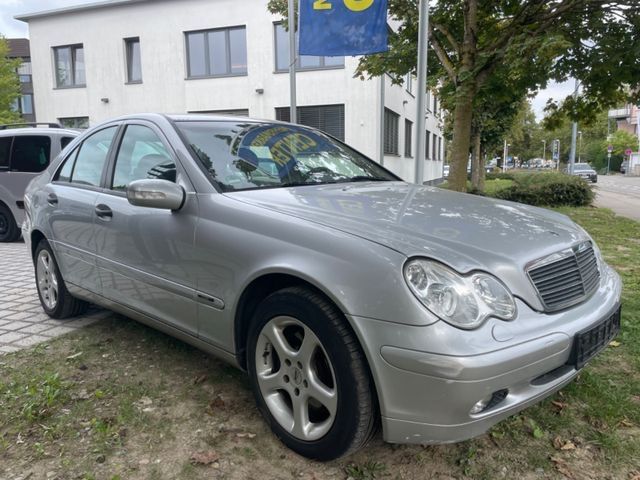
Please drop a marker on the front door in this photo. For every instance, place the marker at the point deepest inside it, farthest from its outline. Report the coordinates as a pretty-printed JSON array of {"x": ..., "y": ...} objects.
[{"x": 144, "y": 254}]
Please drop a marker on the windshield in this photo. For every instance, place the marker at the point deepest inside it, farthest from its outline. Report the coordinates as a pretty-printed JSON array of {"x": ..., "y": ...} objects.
[
  {"x": 242, "y": 156},
  {"x": 581, "y": 166}
]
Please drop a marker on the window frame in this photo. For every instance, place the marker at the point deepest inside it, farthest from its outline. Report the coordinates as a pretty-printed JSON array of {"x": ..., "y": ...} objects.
[
  {"x": 74, "y": 152},
  {"x": 128, "y": 58},
  {"x": 207, "y": 56},
  {"x": 408, "y": 138},
  {"x": 12, "y": 168},
  {"x": 299, "y": 68},
  {"x": 73, "y": 48},
  {"x": 394, "y": 150}
]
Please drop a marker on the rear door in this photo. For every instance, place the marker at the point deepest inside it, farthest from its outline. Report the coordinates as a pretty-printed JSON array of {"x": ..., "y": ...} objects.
[
  {"x": 30, "y": 155},
  {"x": 145, "y": 256},
  {"x": 71, "y": 199}
]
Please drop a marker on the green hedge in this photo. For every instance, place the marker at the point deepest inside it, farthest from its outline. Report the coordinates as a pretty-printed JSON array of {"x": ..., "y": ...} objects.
[{"x": 546, "y": 189}]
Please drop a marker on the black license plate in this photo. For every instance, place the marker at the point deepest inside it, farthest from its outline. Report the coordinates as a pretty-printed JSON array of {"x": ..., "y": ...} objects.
[{"x": 589, "y": 343}]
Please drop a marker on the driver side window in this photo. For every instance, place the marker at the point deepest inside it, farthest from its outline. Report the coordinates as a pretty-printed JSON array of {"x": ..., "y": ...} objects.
[{"x": 141, "y": 155}]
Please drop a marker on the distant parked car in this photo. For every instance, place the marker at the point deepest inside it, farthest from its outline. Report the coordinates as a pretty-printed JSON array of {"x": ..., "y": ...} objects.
[
  {"x": 624, "y": 166},
  {"x": 584, "y": 171},
  {"x": 24, "y": 153},
  {"x": 353, "y": 299}
]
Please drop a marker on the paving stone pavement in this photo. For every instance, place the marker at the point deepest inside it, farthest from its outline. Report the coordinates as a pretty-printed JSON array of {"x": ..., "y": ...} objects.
[{"x": 23, "y": 323}]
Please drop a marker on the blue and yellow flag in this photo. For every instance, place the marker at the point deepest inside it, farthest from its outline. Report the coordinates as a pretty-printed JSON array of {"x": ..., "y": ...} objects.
[{"x": 342, "y": 27}]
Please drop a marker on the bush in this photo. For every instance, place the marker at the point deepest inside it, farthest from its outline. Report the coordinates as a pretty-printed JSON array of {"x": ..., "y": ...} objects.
[{"x": 547, "y": 189}]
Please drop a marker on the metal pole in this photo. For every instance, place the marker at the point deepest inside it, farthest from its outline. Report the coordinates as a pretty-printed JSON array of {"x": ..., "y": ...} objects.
[
  {"x": 544, "y": 150},
  {"x": 579, "y": 146},
  {"x": 292, "y": 63},
  {"x": 608, "y": 162},
  {"x": 381, "y": 132},
  {"x": 574, "y": 135},
  {"x": 422, "y": 90},
  {"x": 504, "y": 156}
]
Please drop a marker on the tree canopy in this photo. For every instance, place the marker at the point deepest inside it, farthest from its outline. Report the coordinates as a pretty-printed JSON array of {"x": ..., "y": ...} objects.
[
  {"x": 486, "y": 56},
  {"x": 9, "y": 84}
]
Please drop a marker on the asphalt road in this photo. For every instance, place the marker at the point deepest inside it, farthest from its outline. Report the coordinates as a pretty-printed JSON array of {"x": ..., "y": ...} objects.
[{"x": 619, "y": 193}]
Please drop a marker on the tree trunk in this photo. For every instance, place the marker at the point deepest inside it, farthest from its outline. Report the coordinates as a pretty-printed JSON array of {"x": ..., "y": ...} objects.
[
  {"x": 462, "y": 116},
  {"x": 482, "y": 172},
  {"x": 476, "y": 164}
]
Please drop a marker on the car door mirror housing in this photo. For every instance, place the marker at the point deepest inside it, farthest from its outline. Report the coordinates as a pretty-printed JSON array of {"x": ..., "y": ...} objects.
[{"x": 161, "y": 194}]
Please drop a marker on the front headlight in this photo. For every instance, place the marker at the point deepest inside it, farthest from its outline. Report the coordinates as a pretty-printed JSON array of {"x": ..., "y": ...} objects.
[{"x": 462, "y": 301}]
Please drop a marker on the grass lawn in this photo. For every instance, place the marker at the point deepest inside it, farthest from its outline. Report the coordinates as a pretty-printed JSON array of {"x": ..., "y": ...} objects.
[{"x": 118, "y": 400}]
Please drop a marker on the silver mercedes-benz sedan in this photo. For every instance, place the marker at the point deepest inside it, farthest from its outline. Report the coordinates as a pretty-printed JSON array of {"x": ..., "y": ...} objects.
[{"x": 351, "y": 298}]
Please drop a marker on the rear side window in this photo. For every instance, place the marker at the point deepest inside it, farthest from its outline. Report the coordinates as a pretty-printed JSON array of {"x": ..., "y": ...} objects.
[
  {"x": 85, "y": 164},
  {"x": 92, "y": 157},
  {"x": 5, "y": 151},
  {"x": 64, "y": 141},
  {"x": 30, "y": 153}
]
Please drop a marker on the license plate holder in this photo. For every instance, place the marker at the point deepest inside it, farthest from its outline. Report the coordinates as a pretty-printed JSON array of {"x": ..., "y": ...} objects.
[{"x": 588, "y": 343}]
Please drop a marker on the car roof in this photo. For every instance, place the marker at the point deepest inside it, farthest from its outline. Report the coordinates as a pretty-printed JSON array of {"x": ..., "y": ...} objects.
[
  {"x": 203, "y": 117},
  {"x": 38, "y": 131}
]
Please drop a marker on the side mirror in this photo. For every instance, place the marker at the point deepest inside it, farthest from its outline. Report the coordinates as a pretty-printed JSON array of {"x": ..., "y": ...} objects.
[{"x": 161, "y": 194}]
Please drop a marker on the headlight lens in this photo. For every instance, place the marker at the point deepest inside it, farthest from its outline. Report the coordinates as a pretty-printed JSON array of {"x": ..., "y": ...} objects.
[{"x": 463, "y": 301}]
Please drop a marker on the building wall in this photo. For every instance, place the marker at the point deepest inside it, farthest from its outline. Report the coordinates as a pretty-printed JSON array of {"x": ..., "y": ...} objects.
[{"x": 160, "y": 25}]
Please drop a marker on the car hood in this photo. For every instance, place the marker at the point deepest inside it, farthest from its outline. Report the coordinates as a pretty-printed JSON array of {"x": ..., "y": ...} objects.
[{"x": 467, "y": 232}]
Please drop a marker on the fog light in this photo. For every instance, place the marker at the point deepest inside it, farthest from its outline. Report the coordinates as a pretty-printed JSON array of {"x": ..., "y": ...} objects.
[
  {"x": 489, "y": 402},
  {"x": 481, "y": 405}
]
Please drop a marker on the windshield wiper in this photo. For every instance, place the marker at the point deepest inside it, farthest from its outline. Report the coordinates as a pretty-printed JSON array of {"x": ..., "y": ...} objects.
[{"x": 364, "y": 178}]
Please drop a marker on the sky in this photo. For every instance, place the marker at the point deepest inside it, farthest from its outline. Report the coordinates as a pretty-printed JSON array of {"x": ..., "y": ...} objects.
[{"x": 11, "y": 28}]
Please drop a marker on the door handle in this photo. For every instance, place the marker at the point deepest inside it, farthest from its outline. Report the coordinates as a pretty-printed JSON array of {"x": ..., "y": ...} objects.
[
  {"x": 52, "y": 199},
  {"x": 104, "y": 212}
]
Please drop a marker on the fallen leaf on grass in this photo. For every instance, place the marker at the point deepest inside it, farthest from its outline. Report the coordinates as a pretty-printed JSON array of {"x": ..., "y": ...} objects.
[
  {"x": 246, "y": 435},
  {"x": 204, "y": 458},
  {"x": 614, "y": 343},
  {"x": 626, "y": 423},
  {"x": 562, "y": 467},
  {"x": 635, "y": 475},
  {"x": 75, "y": 355},
  {"x": 215, "y": 404},
  {"x": 200, "y": 379},
  {"x": 558, "y": 406}
]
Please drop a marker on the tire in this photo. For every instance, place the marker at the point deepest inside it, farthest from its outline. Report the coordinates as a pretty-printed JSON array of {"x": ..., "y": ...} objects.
[
  {"x": 309, "y": 375},
  {"x": 9, "y": 231},
  {"x": 55, "y": 299}
]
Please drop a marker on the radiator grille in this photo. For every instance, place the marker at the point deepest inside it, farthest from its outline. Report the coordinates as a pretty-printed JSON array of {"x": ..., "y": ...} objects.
[{"x": 567, "y": 277}]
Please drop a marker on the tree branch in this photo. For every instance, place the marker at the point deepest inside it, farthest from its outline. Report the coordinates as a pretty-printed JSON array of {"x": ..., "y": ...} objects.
[
  {"x": 442, "y": 55},
  {"x": 450, "y": 38}
]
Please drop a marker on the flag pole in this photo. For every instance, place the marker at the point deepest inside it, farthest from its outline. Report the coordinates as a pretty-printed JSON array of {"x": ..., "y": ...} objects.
[
  {"x": 292, "y": 63},
  {"x": 422, "y": 89}
]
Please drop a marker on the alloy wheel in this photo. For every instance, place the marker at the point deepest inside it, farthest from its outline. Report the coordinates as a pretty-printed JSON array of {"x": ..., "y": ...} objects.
[
  {"x": 296, "y": 378},
  {"x": 47, "y": 279}
]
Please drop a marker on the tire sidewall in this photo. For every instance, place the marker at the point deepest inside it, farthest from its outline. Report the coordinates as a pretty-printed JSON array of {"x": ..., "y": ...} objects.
[
  {"x": 12, "y": 227},
  {"x": 339, "y": 438}
]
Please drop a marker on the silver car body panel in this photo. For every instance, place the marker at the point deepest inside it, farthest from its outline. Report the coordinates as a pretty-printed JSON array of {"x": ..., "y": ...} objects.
[{"x": 185, "y": 272}]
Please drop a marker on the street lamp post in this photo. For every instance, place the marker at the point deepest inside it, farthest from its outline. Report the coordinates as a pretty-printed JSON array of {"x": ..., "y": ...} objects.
[
  {"x": 544, "y": 150},
  {"x": 579, "y": 146}
]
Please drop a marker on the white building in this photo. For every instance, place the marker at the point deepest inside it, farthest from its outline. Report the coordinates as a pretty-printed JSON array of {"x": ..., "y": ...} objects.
[{"x": 96, "y": 61}]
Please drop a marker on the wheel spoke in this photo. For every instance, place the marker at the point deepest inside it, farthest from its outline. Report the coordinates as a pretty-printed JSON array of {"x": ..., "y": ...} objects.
[
  {"x": 270, "y": 382},
  {"x": 301, "y": 422},
  {"x": 309, "y": 344},
  {"x": 278, "y": 342},
  {"x": 326, "y": 396}
]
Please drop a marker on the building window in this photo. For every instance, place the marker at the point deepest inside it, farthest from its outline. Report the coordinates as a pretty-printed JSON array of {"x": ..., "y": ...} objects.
[
  {"x": 134, "y": 65},
  {"x": 74, "y": 122},
  {"x": 440, "y": 148},
  {"x": 426, "y": 146},
  {"x": 328, "y": 118},
  {"x": 69, "y": 66},
  {"x": 391, "y": 120},
  {"x": 408, "y": 127},
  {"x": 217, "y": 53},
  {"x": 24, "y": 72},
  {"x": 26, "y": 104},
  {"x": 408, "y": 83},
  {"x": 435, "y": 147},
  {"x": 304, "y": 62}
]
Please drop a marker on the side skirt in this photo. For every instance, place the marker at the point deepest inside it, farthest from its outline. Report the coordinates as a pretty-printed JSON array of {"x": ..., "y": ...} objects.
[{"x": 153, "y": 323}]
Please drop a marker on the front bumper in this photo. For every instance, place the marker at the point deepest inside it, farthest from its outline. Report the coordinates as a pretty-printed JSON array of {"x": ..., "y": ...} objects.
[{"x": 429, "y": 378}]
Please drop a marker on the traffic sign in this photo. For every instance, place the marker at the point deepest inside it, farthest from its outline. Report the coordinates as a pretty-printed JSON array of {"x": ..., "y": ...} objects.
[
  {"x": 628, "y": 152},
  {"x": 610, "y": 148}
]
